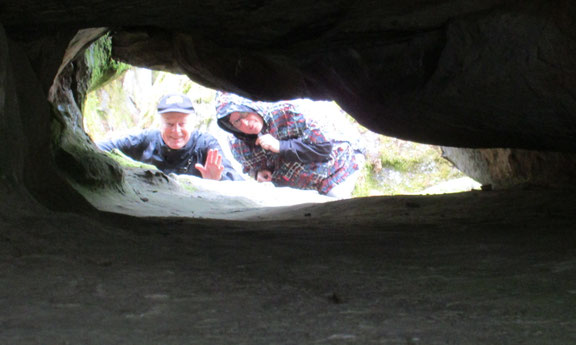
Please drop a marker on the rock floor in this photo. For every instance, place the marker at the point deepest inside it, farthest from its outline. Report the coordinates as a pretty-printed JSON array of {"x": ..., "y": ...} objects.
[{"x": 494, "y": 267}]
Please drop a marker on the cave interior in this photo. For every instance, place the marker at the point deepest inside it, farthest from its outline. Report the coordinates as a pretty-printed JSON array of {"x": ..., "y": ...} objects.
[{"x": 490, "y": 81}]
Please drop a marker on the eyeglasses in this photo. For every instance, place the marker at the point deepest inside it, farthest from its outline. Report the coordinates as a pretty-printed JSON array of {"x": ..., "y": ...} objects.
[{"x": 237, "y": 123}]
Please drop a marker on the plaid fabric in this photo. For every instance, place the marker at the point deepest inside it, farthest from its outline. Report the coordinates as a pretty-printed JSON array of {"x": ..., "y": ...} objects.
[{"x": 283, "y": 122}]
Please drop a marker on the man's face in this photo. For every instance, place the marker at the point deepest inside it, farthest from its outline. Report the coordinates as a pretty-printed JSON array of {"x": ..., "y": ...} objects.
[
  {"x": 175, "y": 128},
  {"x": 245, "y": 122}
]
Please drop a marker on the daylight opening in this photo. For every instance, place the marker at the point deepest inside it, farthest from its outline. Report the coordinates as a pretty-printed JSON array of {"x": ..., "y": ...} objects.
[{"x": 127, "y": 105}]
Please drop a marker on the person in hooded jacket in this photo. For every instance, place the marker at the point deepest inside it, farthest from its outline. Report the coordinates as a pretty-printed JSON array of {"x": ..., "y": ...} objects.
[
  {"x": 176, "y": 147},
  {"x": 276, "y": 143}
]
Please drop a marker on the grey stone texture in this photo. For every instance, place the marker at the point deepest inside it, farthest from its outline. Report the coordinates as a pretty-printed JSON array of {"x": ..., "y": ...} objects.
[{"x": 493, "y": 79}]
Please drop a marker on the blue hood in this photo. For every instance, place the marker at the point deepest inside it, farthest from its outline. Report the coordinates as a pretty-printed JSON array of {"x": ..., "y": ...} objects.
[{"x": 226, "y": 104}]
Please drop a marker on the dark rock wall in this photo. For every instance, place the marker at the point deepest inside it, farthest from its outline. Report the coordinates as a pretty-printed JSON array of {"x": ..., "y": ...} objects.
[
  {"x": 476, "y": 74},
  {"x": 29, "y": 169},
  {"x": 74, "y": 152},
  {"x": 488, "y": 73},
  {"x": 503, "y": 168},
  {"x": 11, "y": 130}
]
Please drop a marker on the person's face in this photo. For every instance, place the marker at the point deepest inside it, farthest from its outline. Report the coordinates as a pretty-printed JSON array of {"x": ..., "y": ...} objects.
[
  {"x": 247, "y": 122},
  {"x": 175, "y": 128}
]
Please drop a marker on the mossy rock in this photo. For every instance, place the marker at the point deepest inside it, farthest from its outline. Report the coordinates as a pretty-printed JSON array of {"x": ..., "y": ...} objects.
[
  {"x": 103, "y": 68},
  {"x": 126, "y": 161}
]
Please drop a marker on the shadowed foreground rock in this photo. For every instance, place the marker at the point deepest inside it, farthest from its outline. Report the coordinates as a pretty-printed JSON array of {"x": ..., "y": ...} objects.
[{"x": 471, "y": 268}]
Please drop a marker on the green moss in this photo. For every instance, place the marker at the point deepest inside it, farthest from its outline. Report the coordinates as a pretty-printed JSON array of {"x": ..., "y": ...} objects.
[
  {"x": 78, "y": 159},
  {"x": 126, "y": 161},
  {"x": 187, "y": 186},
  {"x": 99, "y": 60}
]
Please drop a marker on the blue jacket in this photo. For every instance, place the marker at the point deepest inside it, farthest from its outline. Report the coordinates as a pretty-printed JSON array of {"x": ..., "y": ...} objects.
[{"x": 148, "y": 147}]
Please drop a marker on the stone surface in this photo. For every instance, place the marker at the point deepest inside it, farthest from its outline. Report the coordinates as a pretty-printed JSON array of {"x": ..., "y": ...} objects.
[
  {"x": 28, "y": 164},
  {"x": 476, "y": 268},
  {"x": 489, "y": 73},
  {"x": 503, "y": 168}
]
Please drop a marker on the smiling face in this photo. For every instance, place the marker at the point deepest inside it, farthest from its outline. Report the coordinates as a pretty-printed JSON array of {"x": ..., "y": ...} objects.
[
  {"x": 247, "y": 122},
  {"x": 175, "y": 129}
]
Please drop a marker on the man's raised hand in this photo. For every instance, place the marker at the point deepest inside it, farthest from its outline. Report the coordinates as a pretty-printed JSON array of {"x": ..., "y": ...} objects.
[{"x": 213, "y": 167}]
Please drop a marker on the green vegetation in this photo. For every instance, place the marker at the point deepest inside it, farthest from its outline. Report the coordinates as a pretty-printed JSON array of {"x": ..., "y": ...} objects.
[
  {"x": 403, "y": 167},
  {"x": 367, "y": 183}
]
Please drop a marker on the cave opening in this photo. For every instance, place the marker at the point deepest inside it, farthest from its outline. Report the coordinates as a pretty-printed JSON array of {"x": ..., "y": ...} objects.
[
  {"x": 394, "y": 166},
  {"x": 121, "y": 99}
]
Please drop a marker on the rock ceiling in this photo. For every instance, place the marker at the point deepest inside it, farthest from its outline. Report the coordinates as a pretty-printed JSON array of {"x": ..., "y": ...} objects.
[{"x": 486, "y": 73}]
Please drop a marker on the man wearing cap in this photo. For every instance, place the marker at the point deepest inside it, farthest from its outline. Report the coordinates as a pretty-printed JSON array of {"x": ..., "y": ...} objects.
[{"x": 176, "y": 147}]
